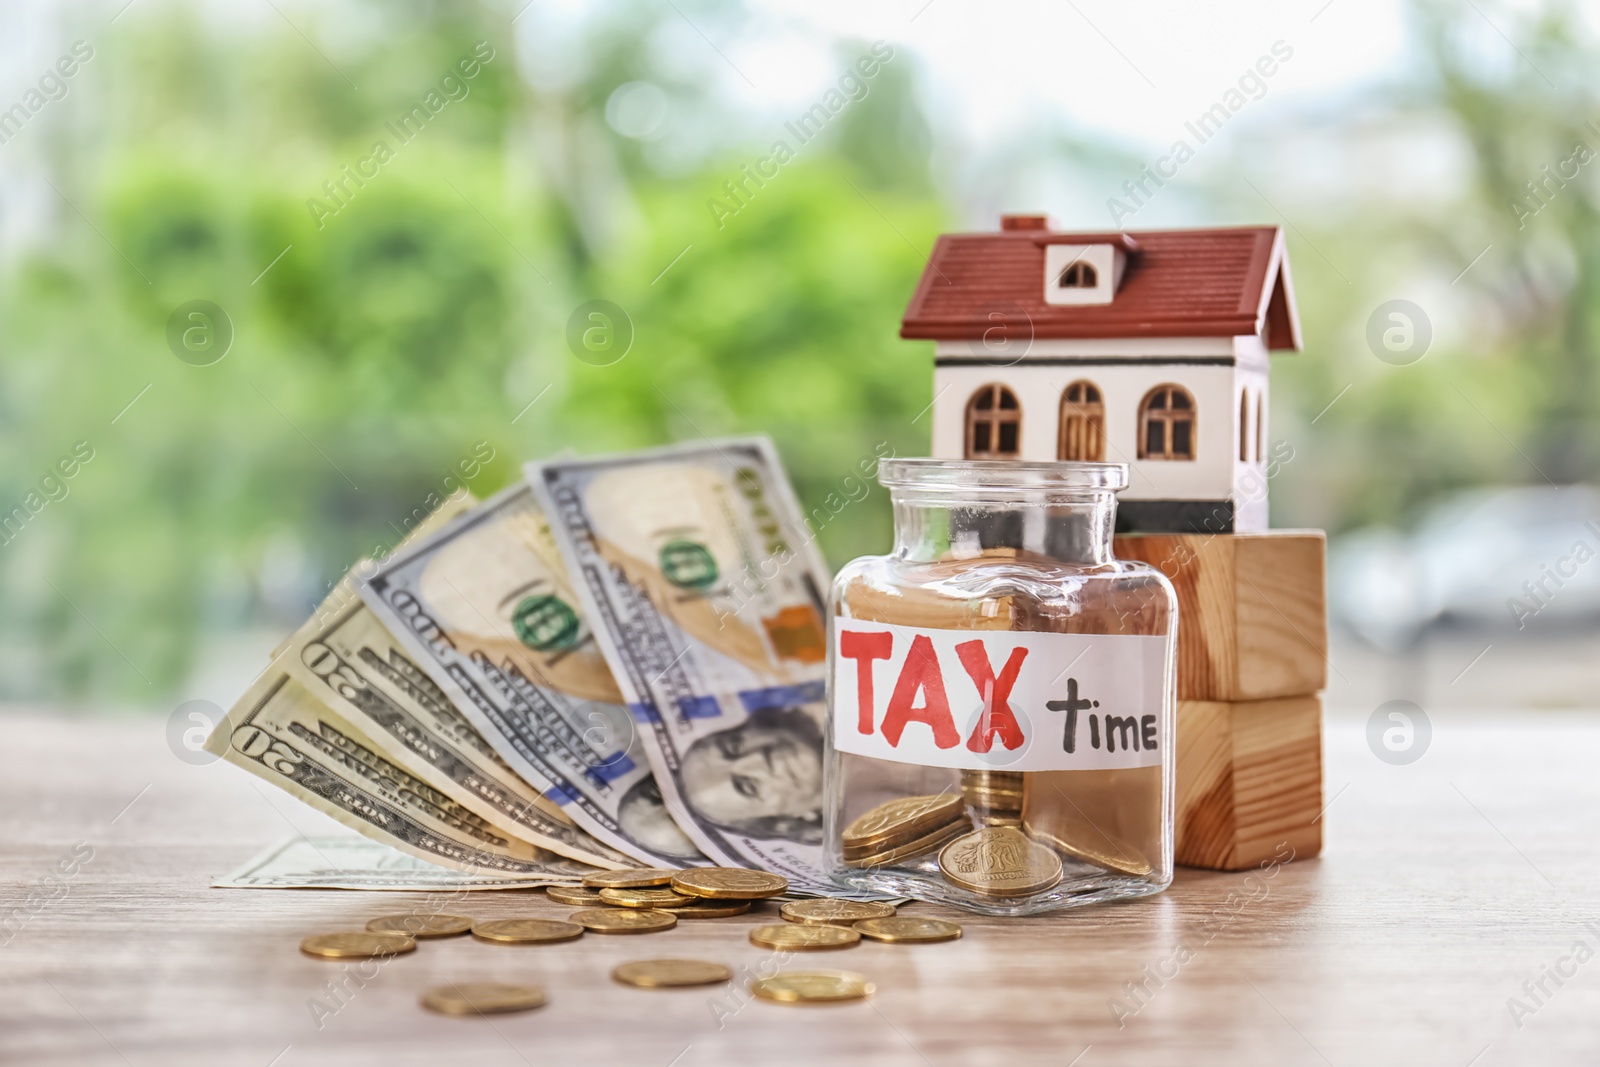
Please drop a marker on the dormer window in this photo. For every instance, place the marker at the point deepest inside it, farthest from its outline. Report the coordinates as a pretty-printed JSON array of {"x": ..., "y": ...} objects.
[
  {"x": 1078, "y": 275},
  {"x": 1082, "y": 274}
]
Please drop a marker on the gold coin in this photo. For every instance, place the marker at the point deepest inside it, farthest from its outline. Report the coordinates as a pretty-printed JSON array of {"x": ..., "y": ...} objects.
[
  {"x": 354, "y": 946},
  {"x": 729, "y": 883},
  {"x": 482, "y": 998},
  {"x": 999, "y": 862},
  {"x": 812, "y": 987},
  {"x": 899, "y": 821},
  {"x": 648, "y": 897},
  {"x": 827, "y": 911},
  {"x": 628, "y": 879},
  {"x": 993, "y": 779},
  {"x": 908, "y": 929},
  {"x": 661, "y": 974},
  {"x": 421, "y": 927},
  {"x": 526, "y": 931},
  {"x": 912, "y": 846},
  {"x": 624, "y": 920},
  {"x": 706, "y": 908},
  {"x": 576, "y": 895},
  {"x": 939, "y": 838},
  {"x": 1123, "y": 861},
  {"x": 793, "y": 937}
]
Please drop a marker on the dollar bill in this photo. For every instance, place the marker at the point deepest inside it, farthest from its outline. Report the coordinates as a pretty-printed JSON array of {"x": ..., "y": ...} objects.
[
  {"x": 347, "y": 660},
  {"x": 282, "y": 734},
  {"x": 323, "y": 861},
  {"x": 707, "y": 597},
  {"x": 485, "y": 607}
]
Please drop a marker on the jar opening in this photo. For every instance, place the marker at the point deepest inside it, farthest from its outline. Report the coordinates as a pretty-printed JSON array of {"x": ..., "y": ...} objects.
[{"x": 967, "y": 476}]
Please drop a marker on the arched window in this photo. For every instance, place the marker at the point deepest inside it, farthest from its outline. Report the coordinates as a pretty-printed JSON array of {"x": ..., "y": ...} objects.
[
  {"x": 1166, "y": 423},
  {"x": 1261, "y": 429},
  {"x": 1244, "y": 425},
  {"x": 1083, "y": 423},
  {"x": 1078, "y": 275},
  {"x": 994, "y": 424}
]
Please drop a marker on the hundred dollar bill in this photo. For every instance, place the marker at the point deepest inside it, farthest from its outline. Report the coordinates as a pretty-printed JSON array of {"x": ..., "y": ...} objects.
[
  {"x": 485, "y": 607},
  {"x": 347, "y": 660},
  {"x": 707, "y": 597},
  {"x": 320, "y": 861},
  {"x": 280, "y": 733}
]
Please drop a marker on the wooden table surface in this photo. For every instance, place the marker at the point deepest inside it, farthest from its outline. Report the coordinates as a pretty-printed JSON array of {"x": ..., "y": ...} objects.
[{"x": 1445, "y": 885}]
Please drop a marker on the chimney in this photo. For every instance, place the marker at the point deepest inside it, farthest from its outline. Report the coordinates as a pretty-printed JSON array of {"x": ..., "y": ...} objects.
[{"x": 1024, "y": 222}]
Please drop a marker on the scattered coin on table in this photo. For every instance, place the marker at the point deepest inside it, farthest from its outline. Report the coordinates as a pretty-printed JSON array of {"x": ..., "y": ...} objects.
[
  {"x": 482, "y": 998},
  {"x": 576, "y": 895},
  {"x": 631, "y": 878},
  {"x": 828, "y": 911},
  {"x": 421, "y": 927},
  {"x": 646, "y": 897},
  {"x": 729, "y": 883},
  {"x": 905, "y": 929},
  {"x": 624, "y": 920},
  {"x": 661, "y": 974},
  {"x": 793, "y": 937},
  {"x": 356, "y": 946},
  {"x": 706, "y": 908},
  {"x": 526, "y": 931},
  {"x": 812, "y": 987}
]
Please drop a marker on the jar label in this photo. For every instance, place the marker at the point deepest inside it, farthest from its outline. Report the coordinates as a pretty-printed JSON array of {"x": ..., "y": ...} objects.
[{"x": 988, "y": 699}]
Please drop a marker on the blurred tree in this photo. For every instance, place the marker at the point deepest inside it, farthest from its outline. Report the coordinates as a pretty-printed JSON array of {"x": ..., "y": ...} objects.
[{"x": 393, "y": 306}]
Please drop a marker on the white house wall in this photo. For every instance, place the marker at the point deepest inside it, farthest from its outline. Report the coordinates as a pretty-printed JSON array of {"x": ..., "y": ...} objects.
[{"x": 1211, "y": 475}]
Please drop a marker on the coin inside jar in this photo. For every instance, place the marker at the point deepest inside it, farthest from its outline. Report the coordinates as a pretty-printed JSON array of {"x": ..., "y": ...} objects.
[
  {"x": 729, "y": 883},
  {"x": 828, "y": 911},
  {"x": 421, "y": 927},
  {"x": 999, "y": 862},
  {"x": 938, "y": 839},
  {"x": 812, "y": 987},
  {"x": 663, "y": 974},
  {"x": 899, "y": 821},
  {"x": 482, "y": 998}
]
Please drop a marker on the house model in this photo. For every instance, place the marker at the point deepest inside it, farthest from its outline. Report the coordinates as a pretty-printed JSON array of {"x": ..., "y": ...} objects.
[{"x": 1148, "y": 349}]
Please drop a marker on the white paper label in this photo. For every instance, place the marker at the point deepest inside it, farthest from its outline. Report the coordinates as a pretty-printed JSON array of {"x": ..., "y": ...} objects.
[{"x": 998, "y": 699}]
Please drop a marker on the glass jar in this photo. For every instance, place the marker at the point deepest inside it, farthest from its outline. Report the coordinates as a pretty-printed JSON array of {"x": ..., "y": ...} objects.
[{"x": 1001, "y": 690}]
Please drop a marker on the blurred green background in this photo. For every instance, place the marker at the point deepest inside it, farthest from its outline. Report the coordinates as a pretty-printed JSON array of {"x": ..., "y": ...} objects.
[{"x": 375, "y": 346}]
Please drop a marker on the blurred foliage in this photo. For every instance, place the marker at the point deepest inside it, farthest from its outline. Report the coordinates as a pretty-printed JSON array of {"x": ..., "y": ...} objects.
[
  {"x": 422, "y": 316},
  {"x": 376, "y": 345}
]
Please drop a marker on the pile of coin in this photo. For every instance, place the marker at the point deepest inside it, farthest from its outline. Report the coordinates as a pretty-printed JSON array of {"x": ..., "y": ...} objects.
[
  {"x": 903, "y": 828},
  {"x": 995, "y": 797},
  {"x": 646, "y": 900}
]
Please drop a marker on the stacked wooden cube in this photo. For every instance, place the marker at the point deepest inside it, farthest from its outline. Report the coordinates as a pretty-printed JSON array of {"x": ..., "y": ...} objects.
[{"x": 1252, "y": 663}]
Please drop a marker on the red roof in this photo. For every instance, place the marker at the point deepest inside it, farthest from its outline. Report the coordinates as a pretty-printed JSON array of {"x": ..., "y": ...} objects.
[{"x": 1177, "y": 283}]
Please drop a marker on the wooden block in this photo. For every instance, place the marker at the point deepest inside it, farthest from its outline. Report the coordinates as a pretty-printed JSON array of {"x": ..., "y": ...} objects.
[
  {"x": 1252, "y": 610},
  {"x": 1249, "y": 781}
]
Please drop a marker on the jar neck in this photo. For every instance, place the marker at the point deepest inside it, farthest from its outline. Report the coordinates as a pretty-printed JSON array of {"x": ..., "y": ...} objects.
[{"x": 1073, "y": 528}]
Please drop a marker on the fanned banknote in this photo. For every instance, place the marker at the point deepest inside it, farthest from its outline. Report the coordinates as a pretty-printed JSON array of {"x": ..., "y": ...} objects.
[
  {"x": 706, "y": 593},
  {"x": 485, "y": 607},
  {"x": 279, "y": 732},
  {"x": 351, "y": 861},
  {"x": 345, "y": 658}
]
